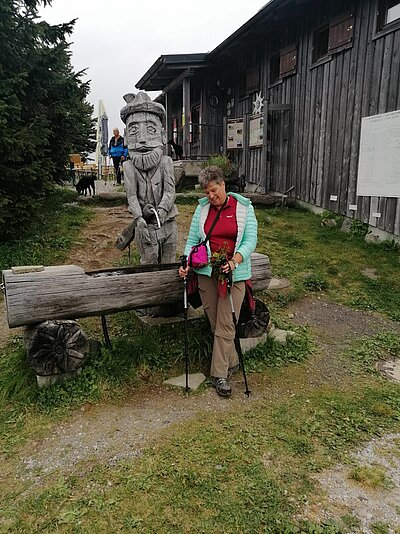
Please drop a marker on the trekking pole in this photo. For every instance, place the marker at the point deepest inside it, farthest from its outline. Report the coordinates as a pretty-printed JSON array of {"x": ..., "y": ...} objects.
[
  {"x": 185, "y": 317},
  {"x": 229, "y": 280}
]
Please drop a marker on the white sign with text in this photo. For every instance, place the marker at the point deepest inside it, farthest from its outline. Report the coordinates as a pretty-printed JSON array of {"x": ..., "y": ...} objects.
[{"x": 379, "y": 164}]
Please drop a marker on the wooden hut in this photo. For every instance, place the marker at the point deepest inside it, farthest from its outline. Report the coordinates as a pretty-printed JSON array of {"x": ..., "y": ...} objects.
[{"x": 285, "y": 96}]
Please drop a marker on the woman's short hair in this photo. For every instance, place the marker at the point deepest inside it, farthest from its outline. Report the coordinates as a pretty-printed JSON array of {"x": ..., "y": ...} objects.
[{"x": 211, "y": 174}]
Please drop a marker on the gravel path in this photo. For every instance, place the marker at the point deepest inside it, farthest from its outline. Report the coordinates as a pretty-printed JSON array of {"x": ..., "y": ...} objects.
[{"x": 107, "y": 433}]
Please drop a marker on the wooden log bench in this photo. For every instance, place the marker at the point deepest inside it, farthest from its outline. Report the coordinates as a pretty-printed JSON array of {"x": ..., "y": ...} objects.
[{"x": 48, "y": 300}]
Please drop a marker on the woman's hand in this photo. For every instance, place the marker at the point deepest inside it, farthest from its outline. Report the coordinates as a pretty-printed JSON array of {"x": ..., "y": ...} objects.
[
  {"x": 228, "y": 266},
  {"x": 183, "y": 272}
]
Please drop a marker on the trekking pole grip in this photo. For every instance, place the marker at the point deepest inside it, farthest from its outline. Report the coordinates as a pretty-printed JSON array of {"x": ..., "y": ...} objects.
[{"x": 183, "y": 260}]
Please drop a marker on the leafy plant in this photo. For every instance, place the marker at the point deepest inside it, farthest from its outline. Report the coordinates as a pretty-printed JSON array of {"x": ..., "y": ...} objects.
[
  {"x": 224, "y": 163},
  {"x": 315, "y": 282},
  {"x": 358, "y": 228},
  {"x": 391, "y": 245}
]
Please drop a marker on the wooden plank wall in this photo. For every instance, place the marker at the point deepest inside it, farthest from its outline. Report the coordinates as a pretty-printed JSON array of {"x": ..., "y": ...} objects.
[
  {"x": 316, "y": 143},
  {"x": 328, "y": 102},
  {"x": 212, "y": 118},
  {"x": 249, "y": 160}
]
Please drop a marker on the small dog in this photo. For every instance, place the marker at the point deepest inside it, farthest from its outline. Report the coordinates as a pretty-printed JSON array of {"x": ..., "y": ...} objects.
[
  {"x": 177, "y": 149},
  {"x": 85, "y": 185}
]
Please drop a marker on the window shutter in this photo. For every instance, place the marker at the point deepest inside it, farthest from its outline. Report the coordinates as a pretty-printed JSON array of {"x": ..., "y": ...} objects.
[
  {"x": 288, "y": 61},
  {"x": 340, "y": 32},
  {"x": 252, "y": 80}
]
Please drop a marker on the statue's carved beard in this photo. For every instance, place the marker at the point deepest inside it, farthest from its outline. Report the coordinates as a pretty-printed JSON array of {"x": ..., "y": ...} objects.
[{"x": 148, "y": 161}]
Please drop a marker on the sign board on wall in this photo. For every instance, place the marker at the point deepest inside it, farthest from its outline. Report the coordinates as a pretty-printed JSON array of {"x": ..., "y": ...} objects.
[
  {"x": 234, "y": 137},
  {"x": 379, "y": 163},
  {"x": 256, "y": 131}
]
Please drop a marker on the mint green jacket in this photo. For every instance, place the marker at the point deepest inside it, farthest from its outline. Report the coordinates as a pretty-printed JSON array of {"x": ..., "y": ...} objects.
[{"x": 246, "y": 240}]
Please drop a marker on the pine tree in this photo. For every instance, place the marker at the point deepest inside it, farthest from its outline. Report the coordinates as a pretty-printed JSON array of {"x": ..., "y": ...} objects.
[{"x": 44, "y": 115}]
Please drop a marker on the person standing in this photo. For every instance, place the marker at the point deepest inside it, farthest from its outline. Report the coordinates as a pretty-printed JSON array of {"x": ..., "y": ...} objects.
[
  {"x": 117, "y": 152},
  {"x": 231, "y": 242}
]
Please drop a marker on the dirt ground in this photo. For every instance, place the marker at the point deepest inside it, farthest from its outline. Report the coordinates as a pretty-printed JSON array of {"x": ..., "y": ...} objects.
[{"x": 108, "y": 433}]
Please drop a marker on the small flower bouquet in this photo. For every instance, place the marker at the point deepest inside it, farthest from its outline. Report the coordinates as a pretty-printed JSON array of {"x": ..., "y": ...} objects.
[{"x": 217, "y": 260}]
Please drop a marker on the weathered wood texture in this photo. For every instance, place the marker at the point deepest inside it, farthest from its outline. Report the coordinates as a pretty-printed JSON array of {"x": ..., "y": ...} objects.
[
  {"x": 68, "y": 292},
  {"x": 314, "y": 143},
  {"x": 56, "y": 347}
]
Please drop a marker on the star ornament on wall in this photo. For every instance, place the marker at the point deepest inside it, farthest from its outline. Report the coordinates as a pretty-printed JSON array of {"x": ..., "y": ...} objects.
[{"x": 258, "y": 104}]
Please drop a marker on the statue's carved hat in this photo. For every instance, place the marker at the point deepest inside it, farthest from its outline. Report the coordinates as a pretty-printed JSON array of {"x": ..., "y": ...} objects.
[{"x": 141, "y": 103}]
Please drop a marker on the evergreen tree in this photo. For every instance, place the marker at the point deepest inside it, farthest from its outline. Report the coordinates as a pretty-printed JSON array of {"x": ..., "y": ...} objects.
[{"x": 44, "y": 115}]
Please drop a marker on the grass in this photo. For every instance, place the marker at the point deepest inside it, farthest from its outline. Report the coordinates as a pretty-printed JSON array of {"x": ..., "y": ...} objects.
[
  {"x": 247, "y": 472},
  {"x": 373, "y": 477},
  {"x": 244, "y": 470},
  {"x": 320, "y": 258},
  {"x": 51, "y": 235}
]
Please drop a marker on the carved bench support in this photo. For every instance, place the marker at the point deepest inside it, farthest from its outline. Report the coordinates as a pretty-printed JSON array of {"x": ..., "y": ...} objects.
[{"x": 56, "y": 349}]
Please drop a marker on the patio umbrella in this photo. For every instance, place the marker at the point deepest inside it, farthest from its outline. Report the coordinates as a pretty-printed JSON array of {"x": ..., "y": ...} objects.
[{"x": 104, "y": 134}]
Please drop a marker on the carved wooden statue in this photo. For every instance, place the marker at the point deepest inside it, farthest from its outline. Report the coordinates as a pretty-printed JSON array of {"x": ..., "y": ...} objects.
[{"x": 149, "y": 182}]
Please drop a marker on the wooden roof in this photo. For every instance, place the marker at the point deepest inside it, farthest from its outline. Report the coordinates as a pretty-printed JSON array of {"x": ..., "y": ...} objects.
[{"x": 167, "y": 68}]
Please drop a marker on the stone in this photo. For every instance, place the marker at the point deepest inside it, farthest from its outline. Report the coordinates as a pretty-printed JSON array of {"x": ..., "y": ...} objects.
[
  {"x": 390, "y": 369},
  {"x": 370, "y": 273},
  {"x": 279, "y": 283},
  {"x": 249, "y": 343},
  {"x": 280, "y": 336},
  {"x": 50, "y": 380},
  {"x": 330, "y": 223},
  {"x": 346, "y": 226},
  {"x": 194, "y": 381},
  {"x": 371, "y": 238}
]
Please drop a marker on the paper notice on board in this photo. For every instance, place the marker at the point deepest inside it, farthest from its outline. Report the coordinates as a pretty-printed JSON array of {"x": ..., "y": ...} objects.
[{"x": 379, "y": 160}]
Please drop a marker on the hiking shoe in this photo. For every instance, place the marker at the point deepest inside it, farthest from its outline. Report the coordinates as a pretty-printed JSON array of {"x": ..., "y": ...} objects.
[
  {"x": 233, "y": 370},
  {"x": 222, "y": 386}
]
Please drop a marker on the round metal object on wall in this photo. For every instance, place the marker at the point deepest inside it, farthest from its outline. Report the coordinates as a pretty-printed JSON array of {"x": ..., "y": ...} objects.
[
  {"x": 228, "y": 106},
  {"x": 213, "y": 100},
  {"x": 56, "y": 347},
  {"x": 228, "y": 113}
]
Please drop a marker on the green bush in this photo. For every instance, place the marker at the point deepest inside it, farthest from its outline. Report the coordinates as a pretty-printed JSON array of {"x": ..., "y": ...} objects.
[
  {"x": 315, "y": 282},
  {"x": 224, "y": 163}
]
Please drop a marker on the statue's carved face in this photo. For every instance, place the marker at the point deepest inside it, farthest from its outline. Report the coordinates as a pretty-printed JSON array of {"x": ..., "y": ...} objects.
[{"x": 144, "y": 133}]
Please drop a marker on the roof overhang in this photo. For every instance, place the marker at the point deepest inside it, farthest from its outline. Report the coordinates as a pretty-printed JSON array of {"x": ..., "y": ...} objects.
[
  {"x": 169, "y": 67},
  {"x": 255, "y": 28}
]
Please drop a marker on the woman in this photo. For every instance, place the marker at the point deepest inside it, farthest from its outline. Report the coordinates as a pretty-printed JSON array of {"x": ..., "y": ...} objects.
[
  {"x": 233, "y": 237},
  {"x": 117, "y": 152}
]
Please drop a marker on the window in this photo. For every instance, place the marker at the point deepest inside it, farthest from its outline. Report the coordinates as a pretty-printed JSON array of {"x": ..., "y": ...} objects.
[
  {"x": 253, "y": 79},
  {"x": 334, "y": 37},
  {"x": 283, "y": 64},
  {"x": 389, "y": 12},
  {"x": 393, "y": 12},
  {"x": 274, "y": 69},
  {"x": 320, "y": 43},
  {"x": 174, "y": 129},
  {"x": 195, "y": 125}
]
